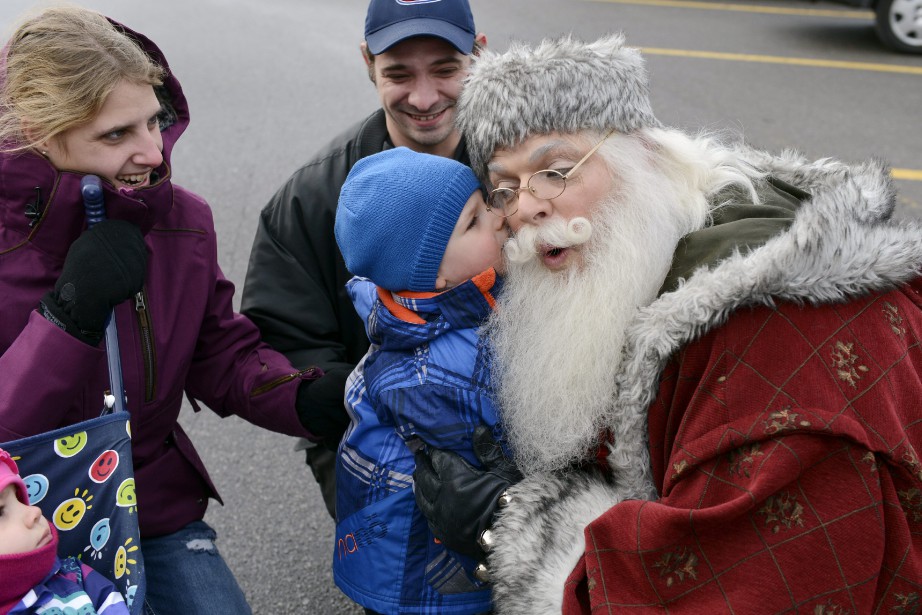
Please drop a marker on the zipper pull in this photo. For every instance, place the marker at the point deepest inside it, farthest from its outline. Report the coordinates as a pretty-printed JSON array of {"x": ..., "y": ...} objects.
[
  {"x": 139, "y": 304},
  {"x": 34, "y": 210}
]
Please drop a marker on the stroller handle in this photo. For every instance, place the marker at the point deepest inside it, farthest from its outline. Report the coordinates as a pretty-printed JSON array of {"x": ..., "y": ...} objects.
[{"x": 91, "y": 190}]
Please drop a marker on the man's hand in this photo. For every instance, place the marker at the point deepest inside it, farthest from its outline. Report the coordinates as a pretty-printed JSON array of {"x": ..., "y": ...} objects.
[
  {"x": 459, "y": 500},
  {"x": 103, "y": 267},
  {"x": 321, "y": 405}
]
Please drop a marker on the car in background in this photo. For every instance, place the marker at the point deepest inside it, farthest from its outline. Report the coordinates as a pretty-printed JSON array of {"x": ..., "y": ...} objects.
[{"x": 898, "y": 22}]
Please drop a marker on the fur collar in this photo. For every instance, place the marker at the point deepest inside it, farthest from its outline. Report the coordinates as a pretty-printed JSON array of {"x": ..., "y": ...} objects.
[{"x": 842, "y": 244}]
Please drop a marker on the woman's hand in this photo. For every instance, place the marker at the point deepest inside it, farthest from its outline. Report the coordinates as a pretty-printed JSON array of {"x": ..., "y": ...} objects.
[
  {"x": 104, "y": 267},
  {"x": 320, "y": 405}
]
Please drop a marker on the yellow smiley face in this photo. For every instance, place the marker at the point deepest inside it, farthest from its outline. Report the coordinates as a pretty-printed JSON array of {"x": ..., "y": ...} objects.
[
  {"x": 69, "y": 446},
  {"x": 121, "y": 562},
  {"x": 125, "y": 496},
  {"x": 69, "y": 513}
]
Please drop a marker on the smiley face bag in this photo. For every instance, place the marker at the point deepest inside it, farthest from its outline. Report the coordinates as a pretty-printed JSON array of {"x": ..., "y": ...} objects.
[{"x": 81, "y": 476}]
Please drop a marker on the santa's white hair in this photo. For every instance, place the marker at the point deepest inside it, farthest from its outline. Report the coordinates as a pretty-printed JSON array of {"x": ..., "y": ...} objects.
[{"x": 558, "y": 335}]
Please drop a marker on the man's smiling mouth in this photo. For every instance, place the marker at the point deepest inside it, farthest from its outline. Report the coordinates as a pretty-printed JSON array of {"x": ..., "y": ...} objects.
[{"x": 426, "y": 118}]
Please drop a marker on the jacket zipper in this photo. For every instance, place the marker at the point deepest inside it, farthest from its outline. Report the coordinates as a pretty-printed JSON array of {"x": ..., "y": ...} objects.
[
  {"x": 147, "y": 345},
  {"x": 264, "y": 388}
]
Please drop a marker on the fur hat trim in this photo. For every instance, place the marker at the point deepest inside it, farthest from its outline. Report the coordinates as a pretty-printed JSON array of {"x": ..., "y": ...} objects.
[{"x": 561, "y": 85}]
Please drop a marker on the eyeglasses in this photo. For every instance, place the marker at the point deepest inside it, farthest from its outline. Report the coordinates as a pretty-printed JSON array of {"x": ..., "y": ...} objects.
[{"x": 544, "y": 184}]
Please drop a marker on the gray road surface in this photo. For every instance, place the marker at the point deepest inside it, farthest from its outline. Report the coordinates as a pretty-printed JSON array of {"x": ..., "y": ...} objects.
[{"x": 269, "y": 81}]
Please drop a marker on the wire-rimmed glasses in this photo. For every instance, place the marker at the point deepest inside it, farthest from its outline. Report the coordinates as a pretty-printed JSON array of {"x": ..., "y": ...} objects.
[{"x": 544, "y": 184}]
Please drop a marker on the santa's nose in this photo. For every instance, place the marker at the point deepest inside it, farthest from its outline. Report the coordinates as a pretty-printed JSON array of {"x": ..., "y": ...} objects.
[{"x": 532, "y": 210}]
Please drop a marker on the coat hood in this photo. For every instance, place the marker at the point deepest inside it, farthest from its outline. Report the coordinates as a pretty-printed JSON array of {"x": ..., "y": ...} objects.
[{"x": 42, "y": 205}]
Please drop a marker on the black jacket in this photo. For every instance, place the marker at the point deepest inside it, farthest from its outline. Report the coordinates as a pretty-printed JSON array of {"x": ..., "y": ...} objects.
[{"x": 295, "y": 288}]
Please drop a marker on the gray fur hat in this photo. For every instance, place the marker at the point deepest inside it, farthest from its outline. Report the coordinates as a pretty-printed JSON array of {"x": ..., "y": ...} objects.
[{"x": 560, "y": 85}]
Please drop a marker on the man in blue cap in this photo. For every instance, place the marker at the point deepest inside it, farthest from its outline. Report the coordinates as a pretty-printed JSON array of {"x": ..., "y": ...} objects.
[{"x": 417, "y": 53}]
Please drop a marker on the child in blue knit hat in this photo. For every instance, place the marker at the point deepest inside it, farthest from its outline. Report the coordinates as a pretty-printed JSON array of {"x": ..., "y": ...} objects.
[{"x": 416, "y": 231}]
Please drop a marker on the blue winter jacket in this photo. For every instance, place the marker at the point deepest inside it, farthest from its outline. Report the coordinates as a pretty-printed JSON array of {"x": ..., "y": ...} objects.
[{"x": 424, "y": 381}]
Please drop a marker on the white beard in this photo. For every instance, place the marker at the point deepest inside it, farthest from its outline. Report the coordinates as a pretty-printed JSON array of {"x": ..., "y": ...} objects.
[{"x": 558, "y": 335}]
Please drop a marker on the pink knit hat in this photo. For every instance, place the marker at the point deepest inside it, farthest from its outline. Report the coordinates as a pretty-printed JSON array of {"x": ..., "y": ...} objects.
[{"x": 9, "y": 475}]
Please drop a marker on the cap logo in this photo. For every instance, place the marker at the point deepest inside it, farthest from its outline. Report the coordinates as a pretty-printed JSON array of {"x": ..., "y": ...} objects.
[{"x": 412, "y": 2}]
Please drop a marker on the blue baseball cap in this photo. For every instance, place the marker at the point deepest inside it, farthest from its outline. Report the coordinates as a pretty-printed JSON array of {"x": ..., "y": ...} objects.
[{"x": 390, "y": 21}]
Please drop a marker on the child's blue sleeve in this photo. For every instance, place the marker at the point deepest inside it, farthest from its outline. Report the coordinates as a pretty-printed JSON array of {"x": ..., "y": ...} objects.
[{"x": 364, "y": 294}]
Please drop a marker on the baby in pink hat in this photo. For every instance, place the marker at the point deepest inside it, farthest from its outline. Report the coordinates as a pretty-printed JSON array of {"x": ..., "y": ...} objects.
[{"x": 32, "y": 577}]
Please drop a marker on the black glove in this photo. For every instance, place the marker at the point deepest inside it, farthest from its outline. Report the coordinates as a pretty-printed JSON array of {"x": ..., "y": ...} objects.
[
  {"x": 321, "y": 405},
  {"x": 459, "y": 500},
  {"x": 104, "y": 267}
]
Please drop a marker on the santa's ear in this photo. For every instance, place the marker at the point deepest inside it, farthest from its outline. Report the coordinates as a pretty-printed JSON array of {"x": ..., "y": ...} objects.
[{"x": 480, "y": 43}]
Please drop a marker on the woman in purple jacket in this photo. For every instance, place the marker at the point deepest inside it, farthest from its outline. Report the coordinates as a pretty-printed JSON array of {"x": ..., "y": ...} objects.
[{"x": 80, "y": 94}]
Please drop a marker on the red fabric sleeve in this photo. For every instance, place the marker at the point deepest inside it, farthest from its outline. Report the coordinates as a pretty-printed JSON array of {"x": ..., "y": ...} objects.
[
  {"x": 785, "y": 446},
  {"x": 797, "y": 524}
]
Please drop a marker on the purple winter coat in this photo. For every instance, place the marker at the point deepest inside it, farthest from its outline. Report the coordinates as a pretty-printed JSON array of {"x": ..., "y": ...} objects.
[{"x": 180, "y": 334}]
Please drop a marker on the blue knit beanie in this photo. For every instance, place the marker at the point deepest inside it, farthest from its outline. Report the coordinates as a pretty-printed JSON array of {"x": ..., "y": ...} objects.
[{"x": 396, "y": 212}]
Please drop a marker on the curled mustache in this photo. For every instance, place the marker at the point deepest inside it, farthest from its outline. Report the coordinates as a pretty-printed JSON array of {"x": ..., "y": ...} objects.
[{"x": 530, "y": 240}]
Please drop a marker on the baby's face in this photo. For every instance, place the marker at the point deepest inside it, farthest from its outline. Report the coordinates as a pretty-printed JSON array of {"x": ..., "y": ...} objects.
[
  {"x": 22, "y": 527},
  {"x": 475, "y": 245}
]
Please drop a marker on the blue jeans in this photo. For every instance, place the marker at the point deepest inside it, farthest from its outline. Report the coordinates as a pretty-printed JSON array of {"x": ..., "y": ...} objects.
[{"x": 186, "y": 574}]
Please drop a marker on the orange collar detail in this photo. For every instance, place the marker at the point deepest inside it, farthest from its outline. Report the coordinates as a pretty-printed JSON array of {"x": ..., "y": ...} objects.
[
  {"x": 404, "y": 314},
  {"x": 483, "y": 281}
]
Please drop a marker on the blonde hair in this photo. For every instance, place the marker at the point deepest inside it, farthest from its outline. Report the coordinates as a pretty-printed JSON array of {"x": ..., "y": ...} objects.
[{"x": 60, "y": 66}]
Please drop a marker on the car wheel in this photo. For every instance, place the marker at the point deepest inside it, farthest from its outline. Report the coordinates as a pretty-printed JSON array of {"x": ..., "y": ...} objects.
[{"x": 899, "y": 24}]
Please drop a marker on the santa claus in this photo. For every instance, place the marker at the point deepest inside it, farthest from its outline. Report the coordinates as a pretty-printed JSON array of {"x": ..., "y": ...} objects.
[{"x": 708, "y": 359}]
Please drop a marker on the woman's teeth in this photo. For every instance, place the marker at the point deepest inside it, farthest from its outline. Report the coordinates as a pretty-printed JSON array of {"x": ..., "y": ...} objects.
[{"x": 132, "y": 180}]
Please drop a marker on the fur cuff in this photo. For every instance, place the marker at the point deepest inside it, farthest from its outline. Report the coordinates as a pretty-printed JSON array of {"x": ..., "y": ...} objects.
[{"x": 540, "y": 537}]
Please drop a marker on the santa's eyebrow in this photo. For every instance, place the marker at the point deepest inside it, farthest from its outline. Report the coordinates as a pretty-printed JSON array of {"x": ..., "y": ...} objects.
[
  {"x": 559, "y": 147},
  {"x": 550, "y": 149}
]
